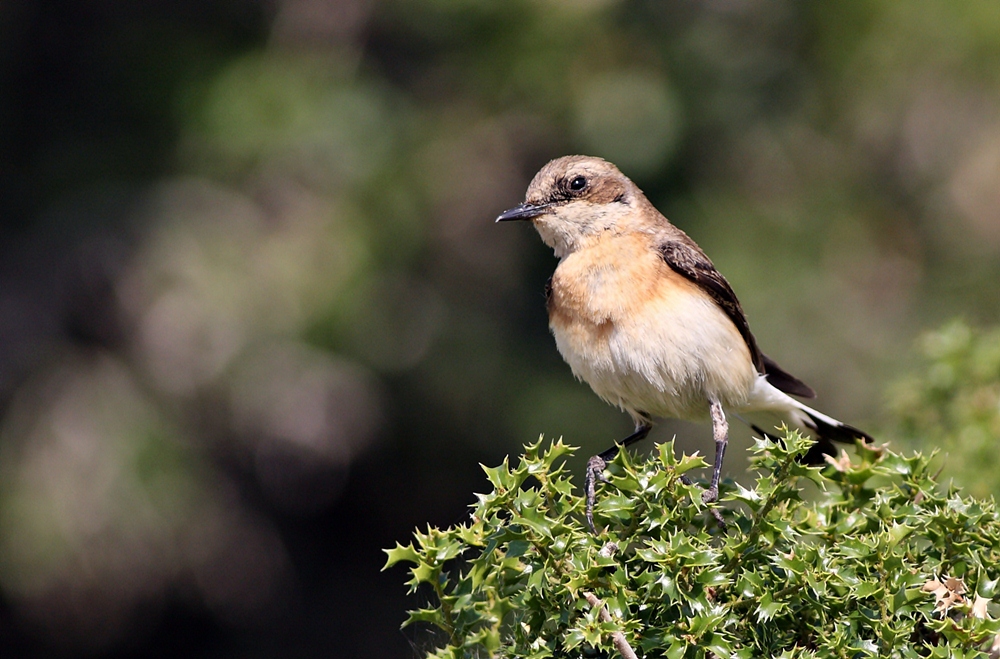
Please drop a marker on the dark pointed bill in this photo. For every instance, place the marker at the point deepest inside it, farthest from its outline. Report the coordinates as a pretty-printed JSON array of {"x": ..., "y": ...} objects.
[{"x": 523, "y": 211}]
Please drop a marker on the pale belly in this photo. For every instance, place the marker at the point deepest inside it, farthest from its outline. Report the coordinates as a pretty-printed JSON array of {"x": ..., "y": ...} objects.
[{"x": 666, "y": 358}]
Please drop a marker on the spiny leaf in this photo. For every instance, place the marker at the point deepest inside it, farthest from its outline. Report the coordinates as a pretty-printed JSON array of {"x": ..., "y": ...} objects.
[
  {"x": 400, "y": 553},
  {"x": 838, "y": 572}
]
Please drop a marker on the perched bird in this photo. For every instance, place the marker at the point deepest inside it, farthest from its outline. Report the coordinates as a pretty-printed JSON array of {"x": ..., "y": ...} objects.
[{"x": 642, "y": 316}]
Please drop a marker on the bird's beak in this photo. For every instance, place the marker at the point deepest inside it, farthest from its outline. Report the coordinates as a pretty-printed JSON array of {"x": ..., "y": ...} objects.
[{"x": 523, "y": 211}]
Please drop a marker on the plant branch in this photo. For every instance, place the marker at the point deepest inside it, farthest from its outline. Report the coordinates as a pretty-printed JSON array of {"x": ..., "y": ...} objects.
[{"x": 618, "y": 638}]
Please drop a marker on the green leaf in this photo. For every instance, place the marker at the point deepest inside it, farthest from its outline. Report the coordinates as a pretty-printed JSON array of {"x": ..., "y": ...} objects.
[
  {"x": 500, "y": 477},
  {"x": 840, "y": 571},
  {"x": 767, "y": 608},
  {"x": 432, "y": 616},
  {"x": 425, "y": 573},
  {"x": 400, "y": 553},
  {"x": 868, "y": 589},
  {"x": 677, "y": 649},
  {"x": 700, "y": 624}
]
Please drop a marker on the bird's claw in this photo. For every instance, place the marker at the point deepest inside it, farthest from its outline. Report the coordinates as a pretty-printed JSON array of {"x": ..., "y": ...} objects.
[{"x": 595, "y": 469}]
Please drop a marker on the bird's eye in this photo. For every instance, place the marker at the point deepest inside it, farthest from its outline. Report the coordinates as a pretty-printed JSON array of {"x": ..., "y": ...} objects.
[{"x": 577, "y": 184}]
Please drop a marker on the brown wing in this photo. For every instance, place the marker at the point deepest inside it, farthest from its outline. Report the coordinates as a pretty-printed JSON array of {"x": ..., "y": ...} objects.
[{"x": 690, "y": 262}]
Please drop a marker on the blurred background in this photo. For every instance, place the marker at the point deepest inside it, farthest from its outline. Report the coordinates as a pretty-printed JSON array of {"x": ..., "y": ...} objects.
[{"x": 256, "y": 322}]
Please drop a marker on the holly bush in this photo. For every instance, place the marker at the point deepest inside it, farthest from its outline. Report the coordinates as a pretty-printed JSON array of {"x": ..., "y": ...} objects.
[
  {"x": 952, "y": 401},
  {"x": 862, "y": 557}
]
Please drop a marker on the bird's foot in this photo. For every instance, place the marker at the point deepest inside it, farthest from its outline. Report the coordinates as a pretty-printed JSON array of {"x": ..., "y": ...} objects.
[{"x": 595, "y": 474}]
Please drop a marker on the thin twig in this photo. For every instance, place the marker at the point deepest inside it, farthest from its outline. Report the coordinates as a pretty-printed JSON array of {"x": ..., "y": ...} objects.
[{"x": 624, "y": 649}]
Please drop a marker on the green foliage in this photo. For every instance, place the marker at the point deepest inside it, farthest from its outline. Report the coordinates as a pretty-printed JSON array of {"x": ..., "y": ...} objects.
[
  {"x": 875, "y": 561},
  {"x": 953, "y": 404}
]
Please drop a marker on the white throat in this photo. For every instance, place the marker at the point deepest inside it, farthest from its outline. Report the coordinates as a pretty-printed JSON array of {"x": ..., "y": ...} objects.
[
  {"x": 570, "y": 226},
  {"x": 557, "y": 235}
]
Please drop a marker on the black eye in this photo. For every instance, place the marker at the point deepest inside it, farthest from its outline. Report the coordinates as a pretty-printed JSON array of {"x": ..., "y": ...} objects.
[{"x": 577, "y": 184}]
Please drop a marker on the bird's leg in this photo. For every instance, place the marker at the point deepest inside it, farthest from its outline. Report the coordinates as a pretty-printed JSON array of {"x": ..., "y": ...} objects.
[
  {"x": 596, "y": 465},
  {"x": 720, "y": 431}
]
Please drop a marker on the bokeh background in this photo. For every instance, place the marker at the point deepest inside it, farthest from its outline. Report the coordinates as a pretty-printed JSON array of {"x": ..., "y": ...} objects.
[{"x": 256, "y": 322}]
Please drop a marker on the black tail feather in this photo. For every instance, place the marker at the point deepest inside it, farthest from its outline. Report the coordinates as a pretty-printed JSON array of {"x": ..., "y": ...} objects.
[
  {"x": 785, "y": 381},
  {"x": 838, "y": 433},
  {"x": 826, "y": 435}
]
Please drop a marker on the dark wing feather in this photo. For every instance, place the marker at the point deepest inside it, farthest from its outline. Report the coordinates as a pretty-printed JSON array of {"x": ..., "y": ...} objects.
[
  {"x": 785, "y": 381},
  {"x": 691, "y": 263}
]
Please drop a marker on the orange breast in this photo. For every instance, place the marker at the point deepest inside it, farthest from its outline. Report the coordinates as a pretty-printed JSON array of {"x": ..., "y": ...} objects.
[
  {"x": 607, "y": 281},
  {"x": 643, "y": 336}
]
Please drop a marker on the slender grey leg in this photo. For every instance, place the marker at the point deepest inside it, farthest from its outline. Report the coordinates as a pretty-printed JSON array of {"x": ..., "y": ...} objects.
[
  {"x": 596, "y": 465},
  {"x": 720, "y": 431}
]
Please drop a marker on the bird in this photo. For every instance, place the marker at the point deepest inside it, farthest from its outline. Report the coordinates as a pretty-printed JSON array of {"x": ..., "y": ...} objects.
[{"x": 640, "y": 313}]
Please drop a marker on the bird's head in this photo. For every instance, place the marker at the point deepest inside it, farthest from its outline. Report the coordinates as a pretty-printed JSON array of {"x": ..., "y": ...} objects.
[{"x": 574, "y": 198}]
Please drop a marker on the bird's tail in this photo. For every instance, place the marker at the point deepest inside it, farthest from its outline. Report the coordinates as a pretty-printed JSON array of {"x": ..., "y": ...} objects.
[{"x": 825, "y": 429}]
